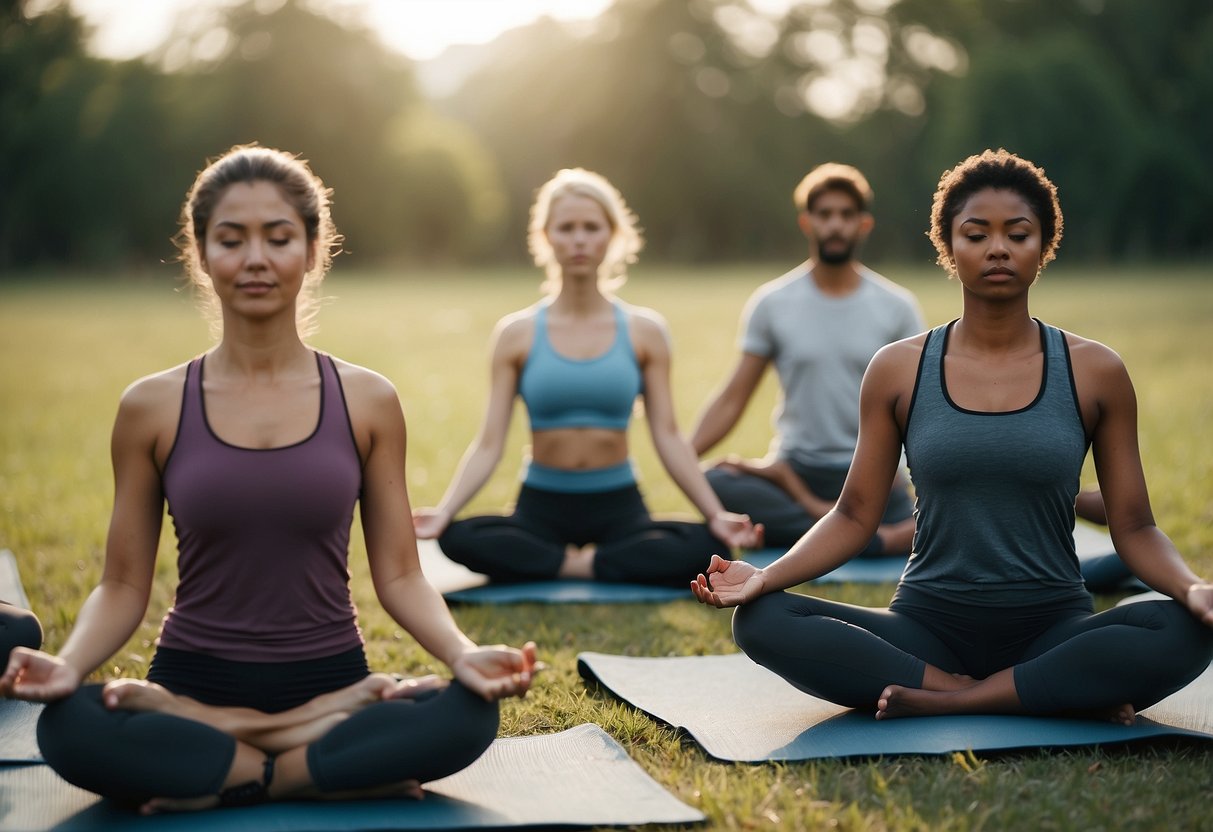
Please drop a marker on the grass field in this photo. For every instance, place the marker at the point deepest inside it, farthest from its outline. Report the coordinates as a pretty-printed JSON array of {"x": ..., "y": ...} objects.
[{"x": 69, "y": 345}]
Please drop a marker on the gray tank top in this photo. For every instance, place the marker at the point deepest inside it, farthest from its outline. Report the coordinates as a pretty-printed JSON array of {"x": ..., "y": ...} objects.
[{"x": 995, "y": 491}]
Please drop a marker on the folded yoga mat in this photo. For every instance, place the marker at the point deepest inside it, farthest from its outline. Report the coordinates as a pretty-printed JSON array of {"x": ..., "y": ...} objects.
[
  {"x": 739, "y": 711},
  {"x": 577, "y": 778},
  {"x": 10, "y": 581}
]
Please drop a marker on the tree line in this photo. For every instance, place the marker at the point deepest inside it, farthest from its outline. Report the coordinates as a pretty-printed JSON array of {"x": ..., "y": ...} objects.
[{"x": 704, "y": 112}]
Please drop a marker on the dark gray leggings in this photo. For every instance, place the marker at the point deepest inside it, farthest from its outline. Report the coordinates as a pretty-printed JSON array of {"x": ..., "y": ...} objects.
[
  {"x": 1065, "y": 657},
  {"x": 784, "y": 519},
  {"x": 133, "y": 756},
  {"x": 18, "y": 628},
  {"x": 529, "y": 545}
]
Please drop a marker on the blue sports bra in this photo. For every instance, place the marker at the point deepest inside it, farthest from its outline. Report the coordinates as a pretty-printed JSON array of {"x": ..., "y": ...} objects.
[{"x": 597, "y": 392}]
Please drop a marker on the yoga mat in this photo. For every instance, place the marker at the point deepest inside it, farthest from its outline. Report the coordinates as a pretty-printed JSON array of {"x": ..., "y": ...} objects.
[
  {"x": 577, "y": 778},
  {"x": 445, "y": 575},
  {"x": 10, "y": 581},
  {"x": 568, "y": 592},
  {"x": 1102, "y": 571},
  {"x": 739, "y": 711},
  {"x": 460, "y": 585},
  {"x": 18, "y": 723}
]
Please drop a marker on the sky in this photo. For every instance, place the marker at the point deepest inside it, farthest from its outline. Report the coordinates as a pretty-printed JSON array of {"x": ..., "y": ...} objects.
[{"x": 420, "y": 29}]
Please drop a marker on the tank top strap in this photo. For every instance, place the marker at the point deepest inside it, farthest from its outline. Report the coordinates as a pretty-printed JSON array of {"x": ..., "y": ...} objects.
[
  {"x": 929, "y": 383},
  {"x": 623, "y": 332},
  {"x": 193, "y": 418},
  {"x": 334, "y": 413}
]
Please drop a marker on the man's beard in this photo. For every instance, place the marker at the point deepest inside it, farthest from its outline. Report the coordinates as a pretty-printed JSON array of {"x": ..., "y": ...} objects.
[{"x": 836, "y": 256}]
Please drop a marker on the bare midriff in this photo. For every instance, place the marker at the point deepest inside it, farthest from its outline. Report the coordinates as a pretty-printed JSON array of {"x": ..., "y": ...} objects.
[{"x": 579, "y": 449}]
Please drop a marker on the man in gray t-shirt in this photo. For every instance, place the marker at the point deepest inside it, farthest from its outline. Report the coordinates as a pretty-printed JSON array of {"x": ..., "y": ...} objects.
[{"x": 819, "y": 324}]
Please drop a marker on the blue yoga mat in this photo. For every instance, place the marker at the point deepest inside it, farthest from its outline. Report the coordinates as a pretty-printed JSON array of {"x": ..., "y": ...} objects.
[
  {"x": 738, "y": 711},
  {"x": 577, "y": 778},
  {"x": 567, "y": 592},
  {"x": 1102, "y": 571}
]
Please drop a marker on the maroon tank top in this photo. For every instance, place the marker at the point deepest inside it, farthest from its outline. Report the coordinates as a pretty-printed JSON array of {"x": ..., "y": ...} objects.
[{"x": 263, "y": 536}]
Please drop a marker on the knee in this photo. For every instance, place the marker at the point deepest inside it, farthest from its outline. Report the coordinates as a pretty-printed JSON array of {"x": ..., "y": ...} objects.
[
  {"x": 18, "y": 628},
  {"x": 479, "y": 719},
  {"x": 454, "y": 540},
  {"x": 62, "y": 728},
  {"x": 755, "y": 625}
]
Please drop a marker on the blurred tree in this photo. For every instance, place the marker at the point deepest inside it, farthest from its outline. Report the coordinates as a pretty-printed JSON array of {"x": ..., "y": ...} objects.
[
  {"x": 294, "y": 79},
  {"x": 704, "y": 112}
]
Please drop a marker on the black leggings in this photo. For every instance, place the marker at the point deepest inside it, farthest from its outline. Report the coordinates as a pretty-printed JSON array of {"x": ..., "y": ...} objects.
[
  {"x": 785, "y": 520},
  {"x": 18, "y": 628},
  {"x": 529, "y": 545},
  {"x": 1065, "y": 658},
  {"x": 132, "y": 756}
]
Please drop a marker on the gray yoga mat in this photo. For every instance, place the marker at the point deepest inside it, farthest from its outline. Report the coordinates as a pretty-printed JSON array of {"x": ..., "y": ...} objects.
[
  {"x": 18, "y": 724},
  {"x": 577, "y": 778},
  {"x": 739, "y": 711},
  {"x": 10, "y": 581}
]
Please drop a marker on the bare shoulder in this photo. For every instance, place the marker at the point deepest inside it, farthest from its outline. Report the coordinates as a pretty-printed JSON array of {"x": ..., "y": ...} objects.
[
  {"x": 1089, "y": 356},
  {"x": 512, "y": 335},
  {"x": 898, "y": 359},
  {"x": 156, "y": 395},
  {"x": 646, "y": 323},
  {"x": 363, "y": 386}
]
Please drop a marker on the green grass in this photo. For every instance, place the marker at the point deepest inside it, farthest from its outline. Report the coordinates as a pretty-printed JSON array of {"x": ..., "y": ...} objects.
[{"x": 69, "y": 345}]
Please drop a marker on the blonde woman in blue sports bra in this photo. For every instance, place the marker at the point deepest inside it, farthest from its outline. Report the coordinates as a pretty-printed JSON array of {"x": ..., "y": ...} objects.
[{"x": 579, "y": 359}]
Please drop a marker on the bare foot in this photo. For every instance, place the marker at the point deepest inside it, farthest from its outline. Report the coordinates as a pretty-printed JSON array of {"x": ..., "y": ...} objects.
[
  {"x": 578, "y": 562},
  {"x": 896, "y": 701},
  {"x": 374, "y": 688},
  {"x": 1121, "y": 714},
  {"x": 138, "y": 695}
]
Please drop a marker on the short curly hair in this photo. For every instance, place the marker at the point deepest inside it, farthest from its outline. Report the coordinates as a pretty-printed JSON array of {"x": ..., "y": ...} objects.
[{"x": 1003, "y": 171}]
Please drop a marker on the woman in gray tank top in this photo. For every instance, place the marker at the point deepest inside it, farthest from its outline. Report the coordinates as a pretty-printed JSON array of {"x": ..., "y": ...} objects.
[
  {"x": 259, "y": 689},
  {"x": 996, "y": 411}
]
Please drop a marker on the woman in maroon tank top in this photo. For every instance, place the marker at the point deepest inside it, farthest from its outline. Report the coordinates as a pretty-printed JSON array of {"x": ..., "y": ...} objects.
[{"x": 259, "y": 688}]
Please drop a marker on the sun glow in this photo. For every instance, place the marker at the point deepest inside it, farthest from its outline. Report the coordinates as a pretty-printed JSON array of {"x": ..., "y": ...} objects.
[{"x": 420, "y": 29}]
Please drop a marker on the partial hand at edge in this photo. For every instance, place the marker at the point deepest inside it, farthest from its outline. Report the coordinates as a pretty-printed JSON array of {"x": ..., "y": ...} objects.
[
  {"x": 38, "y": 676},
  {"x": 1200, "y": 602},
  {"x": 496, "y": 672},
  {"x": 429, "y": 523},
  {"x": 735, "y": 530},
  {"x": 728, "y": 583}
]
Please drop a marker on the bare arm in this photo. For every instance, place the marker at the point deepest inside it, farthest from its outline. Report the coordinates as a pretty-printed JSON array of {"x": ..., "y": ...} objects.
[
  {"x": 721, "y": 414},
  {"x": 510, "y": 341},
  {"x": 848, "y": 527},
  {"x": 392, "y": 552},
  {"x": 115, "y": 608},
  {"x": 1108, "y": 399},
  {"x": 672, "y": 448}
]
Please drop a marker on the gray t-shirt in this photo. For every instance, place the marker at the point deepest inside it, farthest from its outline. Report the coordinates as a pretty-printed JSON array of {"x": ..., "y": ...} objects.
[{"x": 820, "y": 346}]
